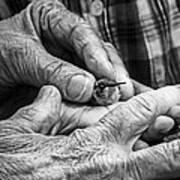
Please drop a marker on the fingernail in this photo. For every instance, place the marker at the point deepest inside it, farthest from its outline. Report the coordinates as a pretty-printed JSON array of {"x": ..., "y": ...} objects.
[{"x": 80, "y": 88}]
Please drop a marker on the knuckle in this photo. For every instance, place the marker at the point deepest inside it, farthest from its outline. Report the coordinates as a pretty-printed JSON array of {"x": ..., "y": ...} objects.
[
  {"x": 50, "y": 90},
  {"x": 144, "y": 104},
  {"x": 25, "y": 113},
  {"x": 109, "y": 47}
]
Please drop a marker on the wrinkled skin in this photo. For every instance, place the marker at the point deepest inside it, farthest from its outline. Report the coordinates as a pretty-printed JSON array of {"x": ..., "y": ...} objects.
[
  {"x": 38, "y": 44},
  {"x": 103, "y": 151},
  {"x": 27, "y": 40},
  {"x": 35, "y": 47}
]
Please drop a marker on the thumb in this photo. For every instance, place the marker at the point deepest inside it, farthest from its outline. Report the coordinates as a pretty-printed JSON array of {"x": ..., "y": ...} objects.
[
  {"x": 31, "y": 64},
  {"x": 43, "y": 113}
]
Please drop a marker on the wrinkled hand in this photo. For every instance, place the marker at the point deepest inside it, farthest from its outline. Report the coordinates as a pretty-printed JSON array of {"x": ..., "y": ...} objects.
[
  {"x": 158, "y": 129},
  {"x": 37, "y": 44},
  {"x": 103, "y": 151}
]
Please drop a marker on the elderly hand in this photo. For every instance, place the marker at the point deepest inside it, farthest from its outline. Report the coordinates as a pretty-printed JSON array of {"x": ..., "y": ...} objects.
[
  {"x": 103, "y": 151},
  {"x": 160, "y": 128},
  {"x": 78, "y": 116},
  {"x": 37, "y": 43}
]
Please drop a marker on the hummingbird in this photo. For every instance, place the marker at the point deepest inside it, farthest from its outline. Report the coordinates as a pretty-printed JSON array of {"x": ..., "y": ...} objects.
[{"x": 106, "y": 92}]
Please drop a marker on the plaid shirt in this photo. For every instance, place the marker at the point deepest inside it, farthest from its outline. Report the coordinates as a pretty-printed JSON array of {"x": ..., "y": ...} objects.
[{"x": 146, "y": 34}]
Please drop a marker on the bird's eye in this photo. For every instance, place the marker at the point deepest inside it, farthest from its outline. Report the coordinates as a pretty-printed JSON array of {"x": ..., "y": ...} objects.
[{"x": 101, "y": 85}]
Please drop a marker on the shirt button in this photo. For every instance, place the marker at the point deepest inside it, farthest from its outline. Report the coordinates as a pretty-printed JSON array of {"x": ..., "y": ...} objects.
[{"x": 96, "y": 8}]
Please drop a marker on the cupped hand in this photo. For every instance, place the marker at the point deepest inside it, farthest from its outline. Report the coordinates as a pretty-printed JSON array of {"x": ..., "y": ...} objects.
[
  {"x": 38, "y": 46},
  {"x": 103, "y": 151},
  {"x": 160, "y": 128}
]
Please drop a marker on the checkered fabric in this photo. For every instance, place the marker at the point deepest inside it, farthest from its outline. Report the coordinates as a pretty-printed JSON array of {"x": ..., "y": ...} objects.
[{"x": 146, "y": 34}]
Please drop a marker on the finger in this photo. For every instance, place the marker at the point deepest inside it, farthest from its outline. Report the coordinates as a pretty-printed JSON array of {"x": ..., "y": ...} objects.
[
  {"x": 31, "y": 64},
  {"x": 89, "y": 48},
  {"x": 175, "y": 113},
  {"x": 60, "y": 26},
  {"x": 75, "y": 116},
  {"x": 121, "y": 74},
  {"x": 140, "y": 144},
  {"x": 43, "y": 113},
  {"x": 157, "y": 162},
  {"x": 74, "y": 83},
  {"x": 158, "y": 129}
]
